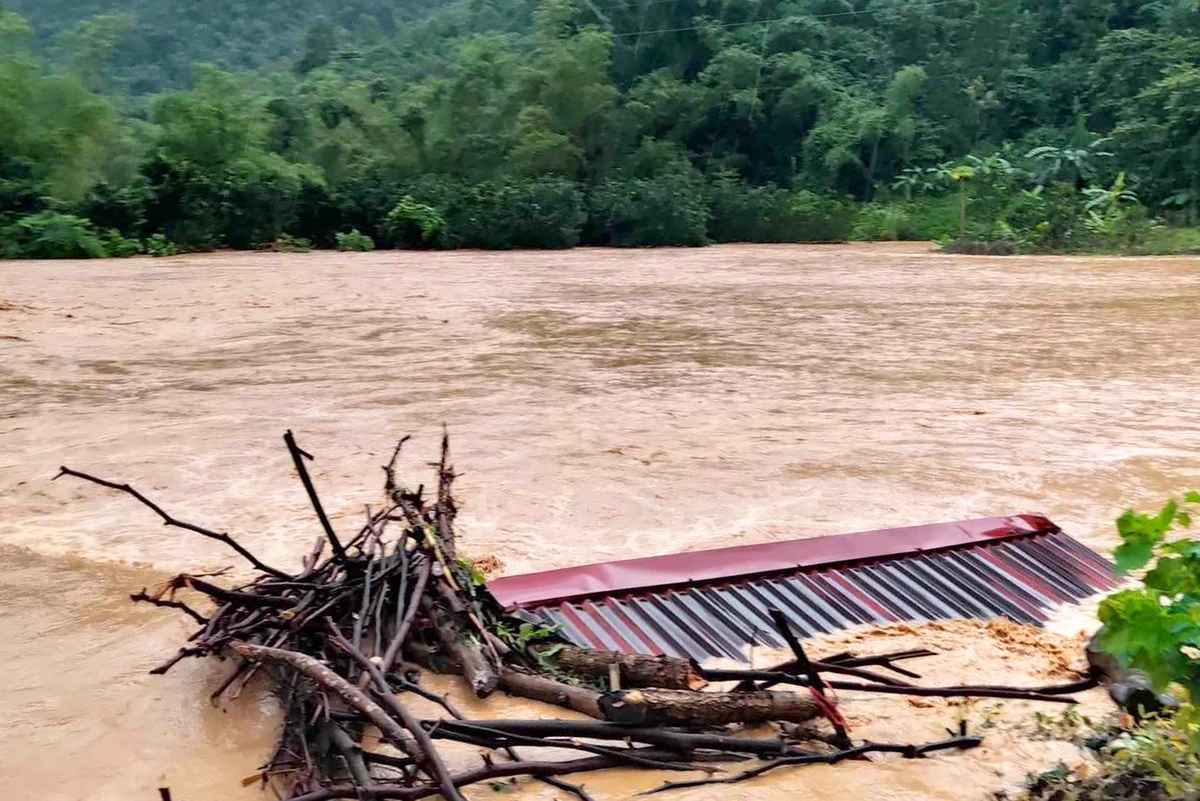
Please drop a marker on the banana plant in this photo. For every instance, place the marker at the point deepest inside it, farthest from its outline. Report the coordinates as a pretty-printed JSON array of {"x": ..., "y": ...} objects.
[
  {"x": 1106, "y": 207},
  {"x": 1067, "y": 162}
]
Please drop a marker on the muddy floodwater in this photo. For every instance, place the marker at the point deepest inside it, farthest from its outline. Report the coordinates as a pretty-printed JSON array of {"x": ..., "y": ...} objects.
[{"x": 602, "y": 404}]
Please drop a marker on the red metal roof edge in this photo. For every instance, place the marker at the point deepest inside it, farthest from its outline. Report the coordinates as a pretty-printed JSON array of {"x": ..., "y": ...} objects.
[{"x": 744, "y": 560}]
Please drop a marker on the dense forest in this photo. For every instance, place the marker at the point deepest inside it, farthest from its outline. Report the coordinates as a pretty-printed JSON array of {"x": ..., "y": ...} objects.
[{"x": 132, "y": 125}]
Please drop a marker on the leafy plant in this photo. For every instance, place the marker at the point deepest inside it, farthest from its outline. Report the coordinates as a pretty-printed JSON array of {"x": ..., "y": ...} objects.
[
  {"x": 1164, "y": 750},
  {"x": 1101, "y": 200},
  {"x": 159, "y": 245},
  {"x": 49, "y": 235},
  {"x": 468, "y": 568},
  {"x": 914, "y": 181},
  {"x": 987, "y": 175},
  {"x": 355, "y": 241},
  {"x": 527, "y": 634},
  {"x": 1156, "y": 627},
  {"x": 119, "y": 246},
  {"x": 286, "y": 243},
  {"x": 414, "y": 224},
  {"x": 667, "y": 209},
  {"x": 1157, "y": 761},
  {"x": 1069, "y": 162},
  {"x": 882, "y": 221}
]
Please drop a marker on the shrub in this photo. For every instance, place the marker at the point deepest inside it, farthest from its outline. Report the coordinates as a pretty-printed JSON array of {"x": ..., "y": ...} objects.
[
  {"x": 820, "y": 219},
  {"x": 159, "y": 245},
  {"x": 117, "y": 245},
  {"x": 122, "y": 209},
  {"x": 543, "y": 212},
  {"x": 242, "y": 204},
  {"x": 876, "y": 222},
  {"x": 925, "y": 219},
  {"x": 355, "y": 241},
  {"x": 738, "y": 212},
  {"x": 931, "y": 219},
  {"x": 1046, "y": 218},
  {"x": 1153, "y": 627},
  {"x": 286, "y": 243},
  {"x": 257, "y": 199},
  {"x": 183, "y": 204},
  {"x": 412, "y": 224},
  {"x": 49, "y": 235},
  {"x": 670, "y": 209},
  {"x": 1156, "y": 627}
]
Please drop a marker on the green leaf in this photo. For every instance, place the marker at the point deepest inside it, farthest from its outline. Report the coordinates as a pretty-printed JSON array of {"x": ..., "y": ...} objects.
[
  {"x": 545, "y": 656},
  {"x": 1166, "y": 515},
  {"x": 1181, "y": 548},
  {"x": 1132, "y": 556},
  {"x": 1191, "y": 496},
  {"x": 1172, "y": 575}
]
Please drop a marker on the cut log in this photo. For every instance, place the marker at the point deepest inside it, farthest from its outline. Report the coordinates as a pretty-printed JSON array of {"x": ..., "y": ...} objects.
[
  {"x": 697, "y": 709},
  {"x": 637, "y": 670},
  {"x": 549, "y": 691}
]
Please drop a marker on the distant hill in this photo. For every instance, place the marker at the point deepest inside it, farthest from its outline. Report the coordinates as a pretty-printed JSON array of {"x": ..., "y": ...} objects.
[{"x": 168, "y": 37}]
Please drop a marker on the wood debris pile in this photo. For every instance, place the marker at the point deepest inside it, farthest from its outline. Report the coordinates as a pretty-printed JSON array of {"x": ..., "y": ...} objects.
[{"x": 344, "y": 639}]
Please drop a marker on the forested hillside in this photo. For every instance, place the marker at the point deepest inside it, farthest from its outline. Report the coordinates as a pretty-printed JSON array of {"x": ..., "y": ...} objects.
[
  {"x": 159, "y": 42},
  {"x": 1037, "y": 124}
]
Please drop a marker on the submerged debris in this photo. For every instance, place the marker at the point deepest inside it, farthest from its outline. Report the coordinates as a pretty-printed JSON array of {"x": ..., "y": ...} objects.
[{"x": 341, "y": 639}]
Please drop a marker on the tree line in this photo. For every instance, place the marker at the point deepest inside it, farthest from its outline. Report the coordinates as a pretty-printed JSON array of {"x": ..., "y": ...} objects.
[{"x": 1022, "y": 124}]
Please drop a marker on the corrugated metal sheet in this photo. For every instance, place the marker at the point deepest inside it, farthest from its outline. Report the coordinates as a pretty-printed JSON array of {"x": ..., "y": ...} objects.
[
  {"x": 1021, "y": 577},
  {"x": 758, "y": 559}
]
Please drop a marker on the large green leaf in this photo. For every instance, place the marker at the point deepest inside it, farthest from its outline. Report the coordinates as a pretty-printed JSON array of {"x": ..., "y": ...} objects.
[{"x": 1132, "y": 556}]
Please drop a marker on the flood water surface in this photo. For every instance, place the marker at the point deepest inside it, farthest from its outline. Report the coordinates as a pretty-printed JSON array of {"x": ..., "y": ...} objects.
[{"x": 602, "y": 404}]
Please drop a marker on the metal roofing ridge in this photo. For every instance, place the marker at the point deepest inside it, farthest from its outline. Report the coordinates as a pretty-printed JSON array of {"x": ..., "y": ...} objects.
[{"x": 767, "y": 557}]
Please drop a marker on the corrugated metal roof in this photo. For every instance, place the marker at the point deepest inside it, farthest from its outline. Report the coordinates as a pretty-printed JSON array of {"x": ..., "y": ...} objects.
[{"x": 1020, "y": 575}]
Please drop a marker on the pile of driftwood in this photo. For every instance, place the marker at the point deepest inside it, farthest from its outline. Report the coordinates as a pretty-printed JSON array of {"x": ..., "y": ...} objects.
[{"x": 342, "y": 638}]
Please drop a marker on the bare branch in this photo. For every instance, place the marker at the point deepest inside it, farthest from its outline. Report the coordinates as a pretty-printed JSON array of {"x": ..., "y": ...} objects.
[
  {"x": 168, "y": 520},
  {"x": 298, "y": 457}
]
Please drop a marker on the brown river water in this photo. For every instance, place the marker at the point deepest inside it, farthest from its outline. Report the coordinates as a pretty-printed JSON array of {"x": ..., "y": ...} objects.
[{"x": 602, "y": 404}]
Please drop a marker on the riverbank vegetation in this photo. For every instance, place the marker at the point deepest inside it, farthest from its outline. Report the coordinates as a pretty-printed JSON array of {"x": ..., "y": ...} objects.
[{"x": 135, "y": 126}]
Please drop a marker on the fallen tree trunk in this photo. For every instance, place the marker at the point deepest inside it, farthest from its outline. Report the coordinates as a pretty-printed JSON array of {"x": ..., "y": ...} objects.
[
  {"x": 549, "y": 691},
  {"x": 636, "y": 670},
  {"x": 652, "y": 707},
  {"x": 464, "y": 650}
]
